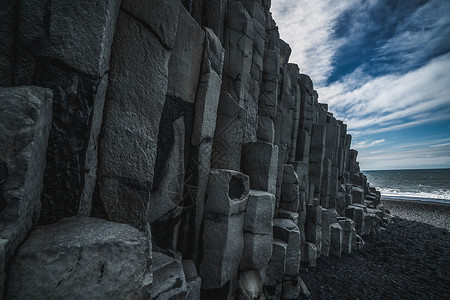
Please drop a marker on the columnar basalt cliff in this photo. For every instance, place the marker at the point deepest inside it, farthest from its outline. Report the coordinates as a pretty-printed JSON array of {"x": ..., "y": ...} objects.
[{"x": 166, "y": 150}]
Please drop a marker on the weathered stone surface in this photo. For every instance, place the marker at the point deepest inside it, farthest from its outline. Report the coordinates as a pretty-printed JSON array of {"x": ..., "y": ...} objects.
[
  {"x": 307, "y": 103},
  {"x": 282, "y": 154},
  {"x": 213, "y": 52},
  {"x": 250, "y": 285},
  {"x": 186, "y": 58},
  {"x": 82, "y": 256},
  {"x": 73, "y": 142},
  {"x": 303, "y": 149},
  {"x": 128, "y": 147},
  {"x": 67, "y": 48},
  {"x": 367, "y": 224},
  {"x": 358, "y": 195},
  {"x": 258, "y": 233},
  {"x": 238, "y": 44},
  {"x": 313, "y": 226},
  {"x": 160, "y": 16},
  {"x": 213, "y": 15},
  {"x": 317, "y": 157},
  {"x": 260, "y": 162},
  {"x": 268, "y": 97},
  {"x": 228, "y": 138},
  {"x": 25, "y": 118},
  {"x": 193, "y": 281},
  {"x": 294, "y": 288},
  {"x": 276, "y": 267},
  {"x": 301, "y": 224},
  {"x": 341, "y": 203},
  {"x": 8, "y": 24},
  {"x": 336, "y": 240},
  {"x": 175, "y": 131},
  {"x": 168, "y": 276},
  {"x": 285, "y": 111},
  {"x": 326, "y": 181},
  {"x": 266, "y": 130},
  {"x": 357, "y": 215},
  {"x": 309, "y": 254},
  {"x": 326, "y": 232},
  {"x": 287, "y": 214},
  {"x": 287, "y": 231},
  {"x": 206, "y": 105},
  {"x": 290, "y": 195},
  {"x": 193, "y": 287},
  {"x": 61, "y": 32},
  {"x": 223, "y": 237},
  {"x": 347, "y": 227},
  {"x": 259, "y": 212}
]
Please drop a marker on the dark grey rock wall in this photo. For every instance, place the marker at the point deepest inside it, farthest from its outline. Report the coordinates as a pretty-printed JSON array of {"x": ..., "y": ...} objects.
[
  {"x": 165, "y": 113},
  {"x": 25, "y": 118}
]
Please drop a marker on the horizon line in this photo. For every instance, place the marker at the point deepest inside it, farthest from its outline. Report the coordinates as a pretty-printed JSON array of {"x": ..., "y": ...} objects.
[{"x": 444, "y": 168}]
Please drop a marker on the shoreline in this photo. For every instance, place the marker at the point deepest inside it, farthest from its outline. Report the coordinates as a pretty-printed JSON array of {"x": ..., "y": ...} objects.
[
  {"x": 428, "y": 201},
  {"x": 433, "y": 213}
]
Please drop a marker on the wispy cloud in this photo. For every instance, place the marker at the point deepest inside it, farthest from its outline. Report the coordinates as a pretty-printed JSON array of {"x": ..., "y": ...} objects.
[
  {"x": 383, "y": 68},
  {"x": 366, "y": 144},
  {"x": 308, "y": 28},
  {"x": 440, "y": 145},
  {"x": 392, "y": 102},
  {"x": 415, "y": 158}
]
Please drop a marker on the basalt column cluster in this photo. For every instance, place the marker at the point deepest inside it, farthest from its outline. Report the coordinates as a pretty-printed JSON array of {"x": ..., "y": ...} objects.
[{"x": 166, "y": 150}]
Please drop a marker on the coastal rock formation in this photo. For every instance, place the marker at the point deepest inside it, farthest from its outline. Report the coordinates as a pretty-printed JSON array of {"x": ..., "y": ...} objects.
[
  {"x": 186, "y": 156},
  {"x": 81, "y": 256},
  {"x": 25, "y": 118}
]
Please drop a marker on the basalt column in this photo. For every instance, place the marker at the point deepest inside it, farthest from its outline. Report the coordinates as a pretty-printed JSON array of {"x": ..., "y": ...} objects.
[
  {"x": 133, "y": 110},
  {"x": 57, "y": 49}
]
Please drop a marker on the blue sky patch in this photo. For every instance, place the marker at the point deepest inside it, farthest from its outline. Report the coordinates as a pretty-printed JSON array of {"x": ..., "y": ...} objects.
[{"x": 383, "y": 66}]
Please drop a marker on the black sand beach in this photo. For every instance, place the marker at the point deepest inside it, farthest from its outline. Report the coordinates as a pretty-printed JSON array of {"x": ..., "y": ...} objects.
[{"x": 410, "y": 259}]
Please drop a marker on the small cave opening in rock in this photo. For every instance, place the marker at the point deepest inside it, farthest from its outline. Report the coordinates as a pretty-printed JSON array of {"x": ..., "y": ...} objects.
[{"x": 236, "y": 188}]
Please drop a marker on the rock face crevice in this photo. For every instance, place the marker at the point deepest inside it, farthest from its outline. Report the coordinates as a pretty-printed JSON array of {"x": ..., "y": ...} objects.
[{"x": 172, "y": 140}]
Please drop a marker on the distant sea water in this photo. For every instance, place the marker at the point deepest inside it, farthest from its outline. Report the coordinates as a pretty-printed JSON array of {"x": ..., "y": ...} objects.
[{"x": 416, "y": 185}]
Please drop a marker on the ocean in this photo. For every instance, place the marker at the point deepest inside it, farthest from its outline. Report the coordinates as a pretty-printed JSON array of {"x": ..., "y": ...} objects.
[{"x": 417, "y": 185}]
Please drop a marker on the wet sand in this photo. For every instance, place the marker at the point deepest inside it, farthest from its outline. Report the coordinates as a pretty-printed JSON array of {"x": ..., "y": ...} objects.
[{"x": 410, "y": 259}]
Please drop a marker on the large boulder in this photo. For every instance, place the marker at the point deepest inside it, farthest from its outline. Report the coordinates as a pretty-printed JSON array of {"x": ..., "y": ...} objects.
[
  {"x": 25, "y": 118},
  {"x": 82, "y": 256}
]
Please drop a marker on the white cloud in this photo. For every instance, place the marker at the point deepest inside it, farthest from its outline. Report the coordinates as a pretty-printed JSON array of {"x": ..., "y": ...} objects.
[
  {"x": 372, "y": 105},
  {"x": 400, "y": 159},
  {"x": 424, "y": 31},
  {"x": 307, "y": 27},
  {"x": 440, "y": 145},
  {"x": 392, "y": 102},
  {"x": 367, "y": 144}
]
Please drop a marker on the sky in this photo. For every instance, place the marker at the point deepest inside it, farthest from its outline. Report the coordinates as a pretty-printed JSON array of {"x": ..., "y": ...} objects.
[{"x": 383, "y": 67}]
